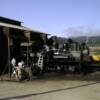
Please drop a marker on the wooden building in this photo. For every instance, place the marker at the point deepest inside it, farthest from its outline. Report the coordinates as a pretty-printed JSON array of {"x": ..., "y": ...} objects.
[{"x": 12, "y": 37}]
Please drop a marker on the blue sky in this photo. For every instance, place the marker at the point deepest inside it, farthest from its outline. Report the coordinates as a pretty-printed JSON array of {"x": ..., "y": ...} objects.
[{"x": 57, "y": 17}]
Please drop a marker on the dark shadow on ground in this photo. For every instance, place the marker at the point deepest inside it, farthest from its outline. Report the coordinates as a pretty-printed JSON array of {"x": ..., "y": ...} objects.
[
  {"x": 79, "y": 77},
  {"x": 94, "y": 77},
  {"x": 47, "y": 92}
]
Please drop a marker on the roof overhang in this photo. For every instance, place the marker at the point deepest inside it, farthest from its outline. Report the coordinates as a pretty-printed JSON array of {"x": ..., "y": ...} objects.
[{"x": 21, "y": 28}]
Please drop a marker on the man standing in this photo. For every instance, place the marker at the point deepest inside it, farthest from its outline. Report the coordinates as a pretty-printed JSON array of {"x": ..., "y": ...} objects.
[{"x": 13, "y": 64}]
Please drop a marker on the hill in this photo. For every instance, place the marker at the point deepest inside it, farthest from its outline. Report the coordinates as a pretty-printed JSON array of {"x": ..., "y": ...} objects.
[{"x": 92, "y": 41}]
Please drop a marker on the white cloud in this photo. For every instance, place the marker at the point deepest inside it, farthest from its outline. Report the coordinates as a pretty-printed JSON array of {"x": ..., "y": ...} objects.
[{"x": 82, "y": 31}]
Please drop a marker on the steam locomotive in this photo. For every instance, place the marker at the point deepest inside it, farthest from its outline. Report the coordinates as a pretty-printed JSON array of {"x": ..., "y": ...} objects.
[{"x": 73, "y": 57}]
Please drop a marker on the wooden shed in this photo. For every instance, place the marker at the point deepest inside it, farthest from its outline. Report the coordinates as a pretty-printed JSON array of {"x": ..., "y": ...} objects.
[{"x": 12, "y": 35}]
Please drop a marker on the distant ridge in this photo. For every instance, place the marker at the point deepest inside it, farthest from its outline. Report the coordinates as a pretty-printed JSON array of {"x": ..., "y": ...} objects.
[{"x": 92, "y": 41}]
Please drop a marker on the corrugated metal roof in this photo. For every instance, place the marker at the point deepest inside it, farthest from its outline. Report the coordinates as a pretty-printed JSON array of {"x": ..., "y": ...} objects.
[{"x": 20, "y": 28}]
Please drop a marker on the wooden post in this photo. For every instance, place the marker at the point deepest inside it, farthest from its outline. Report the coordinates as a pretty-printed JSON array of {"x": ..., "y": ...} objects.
[
  {"x": 7, "y": 33},
  {"x": 9, "y": 56},
  {"x": 28, "y": 34},
  {"x": 28, "y": 53}
]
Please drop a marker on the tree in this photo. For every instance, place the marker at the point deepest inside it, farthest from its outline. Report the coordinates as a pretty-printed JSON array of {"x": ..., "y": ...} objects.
[
  {"x": 50, "y": 42},
  {"x": 70, "y": 41}
]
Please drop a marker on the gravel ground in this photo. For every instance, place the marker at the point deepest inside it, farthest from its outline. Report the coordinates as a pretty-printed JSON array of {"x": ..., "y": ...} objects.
[{"x": 53, "y": 87}]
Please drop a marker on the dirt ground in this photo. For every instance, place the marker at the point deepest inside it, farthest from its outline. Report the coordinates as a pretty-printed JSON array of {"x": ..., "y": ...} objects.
[{"x": 53, "y": 87}]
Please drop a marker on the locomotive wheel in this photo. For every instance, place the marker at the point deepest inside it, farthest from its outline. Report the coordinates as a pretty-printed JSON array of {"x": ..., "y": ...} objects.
[
  {"x": 36, "y": 71},
  {"x": 63, "y": 69}
]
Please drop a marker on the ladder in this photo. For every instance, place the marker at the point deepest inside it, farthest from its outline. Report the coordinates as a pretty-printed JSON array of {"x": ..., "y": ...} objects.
[{"x": 40, "y": 61}]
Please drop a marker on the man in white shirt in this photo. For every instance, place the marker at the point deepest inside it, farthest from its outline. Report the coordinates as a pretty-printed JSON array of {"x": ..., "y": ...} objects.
[{"x": 13, "y": 64}]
